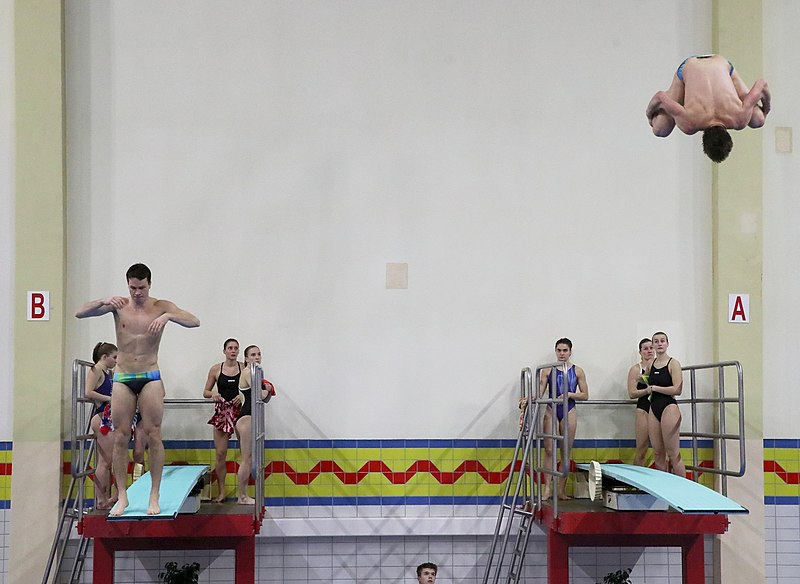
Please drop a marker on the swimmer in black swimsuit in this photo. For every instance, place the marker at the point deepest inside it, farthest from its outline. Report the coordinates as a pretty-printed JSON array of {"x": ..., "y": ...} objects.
[
  {"x": 665, "y": 382},
  {"x": 638, "y": 389},
  {"x": 222, "y": 385},
  {"x": 252, "y": 354}
]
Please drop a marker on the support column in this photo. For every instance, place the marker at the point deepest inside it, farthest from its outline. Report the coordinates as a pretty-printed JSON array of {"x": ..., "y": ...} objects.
[
  {"x": 39, "y": 265},
  {"x": 737, "y": 267}
]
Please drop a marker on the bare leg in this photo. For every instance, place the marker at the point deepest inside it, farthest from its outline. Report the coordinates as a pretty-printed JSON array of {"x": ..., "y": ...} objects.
[
  {"x": 123, "y": 405},
  {"x": 151, "y": 406},
  {"x": 671, "y": 431},
  {"x": 243, "y": 429},
  {"x": 102, "y": 471},
  {"x": 221, "y": 453},
  {"x": 547, "y": 428},
  {"x": 642, "y": 437},
  {"x": 657, "y": 441},
  {"x": 573, "y": 427},
  {"x": 139, "y": 446}
]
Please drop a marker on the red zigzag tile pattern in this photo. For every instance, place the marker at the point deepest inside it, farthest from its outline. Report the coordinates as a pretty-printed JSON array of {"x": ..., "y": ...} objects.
[
  {"x": 790, "y": 478},
  {"x": 420, "y": 466}
]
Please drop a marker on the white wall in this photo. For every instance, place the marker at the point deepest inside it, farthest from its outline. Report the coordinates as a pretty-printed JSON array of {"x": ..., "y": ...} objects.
[
  {"x": 781, "y": 218},
  {"x": 6, "y": 219},
  {"x": 268, "y": 161}
]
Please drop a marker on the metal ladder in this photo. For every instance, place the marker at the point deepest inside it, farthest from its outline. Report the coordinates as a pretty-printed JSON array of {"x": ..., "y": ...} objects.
[
  {"x": 74, "y": 506},
  {"x": 522, "y": 497},
  {"x": 258, "y": 436}
]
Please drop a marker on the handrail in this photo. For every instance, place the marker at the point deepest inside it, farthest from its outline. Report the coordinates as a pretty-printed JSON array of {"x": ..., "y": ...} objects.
[
  {"x": 83, "y": 447},
  {"x": 258, "y": 435},
  {"x": 722, "y": 434},
  {"x": 560, "y": 440}
]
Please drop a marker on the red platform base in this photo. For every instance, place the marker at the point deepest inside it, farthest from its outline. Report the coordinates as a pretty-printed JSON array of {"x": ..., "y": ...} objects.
[
  {"x": 213, "y": 527},
  {"x": 582, "y": 525}
]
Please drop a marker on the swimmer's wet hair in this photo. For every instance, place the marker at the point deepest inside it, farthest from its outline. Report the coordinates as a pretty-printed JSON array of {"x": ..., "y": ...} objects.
[
  {"x": 225, "y": 344},
  {"x": 643, "y": 341},
  {"x": 717, "y": 143}
]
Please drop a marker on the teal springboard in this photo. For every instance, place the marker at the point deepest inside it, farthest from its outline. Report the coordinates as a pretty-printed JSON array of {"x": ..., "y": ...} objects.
[
  {"x": 176, "y": 484},
  {"x": 680, "y": 493}
]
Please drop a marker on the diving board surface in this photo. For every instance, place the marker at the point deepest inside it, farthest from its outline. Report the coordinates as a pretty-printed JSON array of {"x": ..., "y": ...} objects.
[
  {"x": 176, "y": 484},
  {"x": 680, "y": 493}
]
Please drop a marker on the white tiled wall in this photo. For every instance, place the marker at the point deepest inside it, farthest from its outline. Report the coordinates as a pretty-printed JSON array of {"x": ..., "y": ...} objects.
[
  {"x": 782, "y": 543},
  {"x": 5, "y": 529},
  {"x": 382, "y": 560}
]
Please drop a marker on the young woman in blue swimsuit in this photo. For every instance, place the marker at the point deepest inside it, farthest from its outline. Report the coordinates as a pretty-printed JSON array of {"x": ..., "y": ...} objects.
[
  {"x": 576, "y": 388},
  {"x": 98, "y": 388}
]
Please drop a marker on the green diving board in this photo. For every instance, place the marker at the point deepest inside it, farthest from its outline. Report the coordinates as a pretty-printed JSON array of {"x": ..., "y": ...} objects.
[
  {"x": 176, "y": 484},
  {"x": 680, "y": 493}
]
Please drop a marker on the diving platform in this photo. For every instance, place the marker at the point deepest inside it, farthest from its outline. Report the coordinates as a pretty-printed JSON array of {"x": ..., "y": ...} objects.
[
  {"x": 177, "y": 482},
  {"x": 680, "y": 493},
  {"x": 214, "y": 526},
  {"x": 208, "y": 526},
  {"x": 584, "y": 523}
]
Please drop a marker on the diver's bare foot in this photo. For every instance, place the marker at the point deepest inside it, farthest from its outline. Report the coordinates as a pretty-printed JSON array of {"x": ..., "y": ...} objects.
[
  {"x": 563, "y": 497},
  {"x": 153, "y": 508},
  {"x": 219, "y": 498},
  {"x": 245, "y": 500},
  {"x": 547, "y": 493},
  {"x": 103, "y": 505},
  {"x": 120, "y": 506}
]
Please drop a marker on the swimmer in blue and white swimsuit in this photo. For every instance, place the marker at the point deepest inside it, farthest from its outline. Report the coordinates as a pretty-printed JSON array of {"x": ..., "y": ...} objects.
[{"x": 575, "y": 387}]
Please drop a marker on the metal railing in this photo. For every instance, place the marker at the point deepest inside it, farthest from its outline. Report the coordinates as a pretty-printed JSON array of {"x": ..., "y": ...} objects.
[
  {"x": 524, "y": 477},
  {"x": 258, "y": 437},
  {"x": 720, "y": 436},
  {"x": 517, "y": 509},
  {"x": 560, "y": 440},
  {"x": 74, "y": 507}
]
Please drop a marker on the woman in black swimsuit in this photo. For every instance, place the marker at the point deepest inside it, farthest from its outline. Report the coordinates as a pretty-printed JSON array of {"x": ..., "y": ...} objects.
[
  {"x": 252, "y": 354},
  {"x": 639, "y": 390},
  {"x": 222, "y": 385},
  {"x": 665, "y": 382}
]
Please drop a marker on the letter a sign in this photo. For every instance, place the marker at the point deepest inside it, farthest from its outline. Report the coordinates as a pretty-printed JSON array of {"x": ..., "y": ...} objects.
[
  {"x": 39, "y": 305},
  {"x": 739, "y": 308}
]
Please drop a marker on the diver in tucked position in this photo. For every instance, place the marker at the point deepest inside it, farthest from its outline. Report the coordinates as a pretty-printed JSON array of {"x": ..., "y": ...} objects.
[{"x": 707, "y": 94}]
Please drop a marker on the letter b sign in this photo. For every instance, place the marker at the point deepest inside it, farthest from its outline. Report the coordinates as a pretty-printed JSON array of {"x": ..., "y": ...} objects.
[{"x": 39, "y": 305}]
